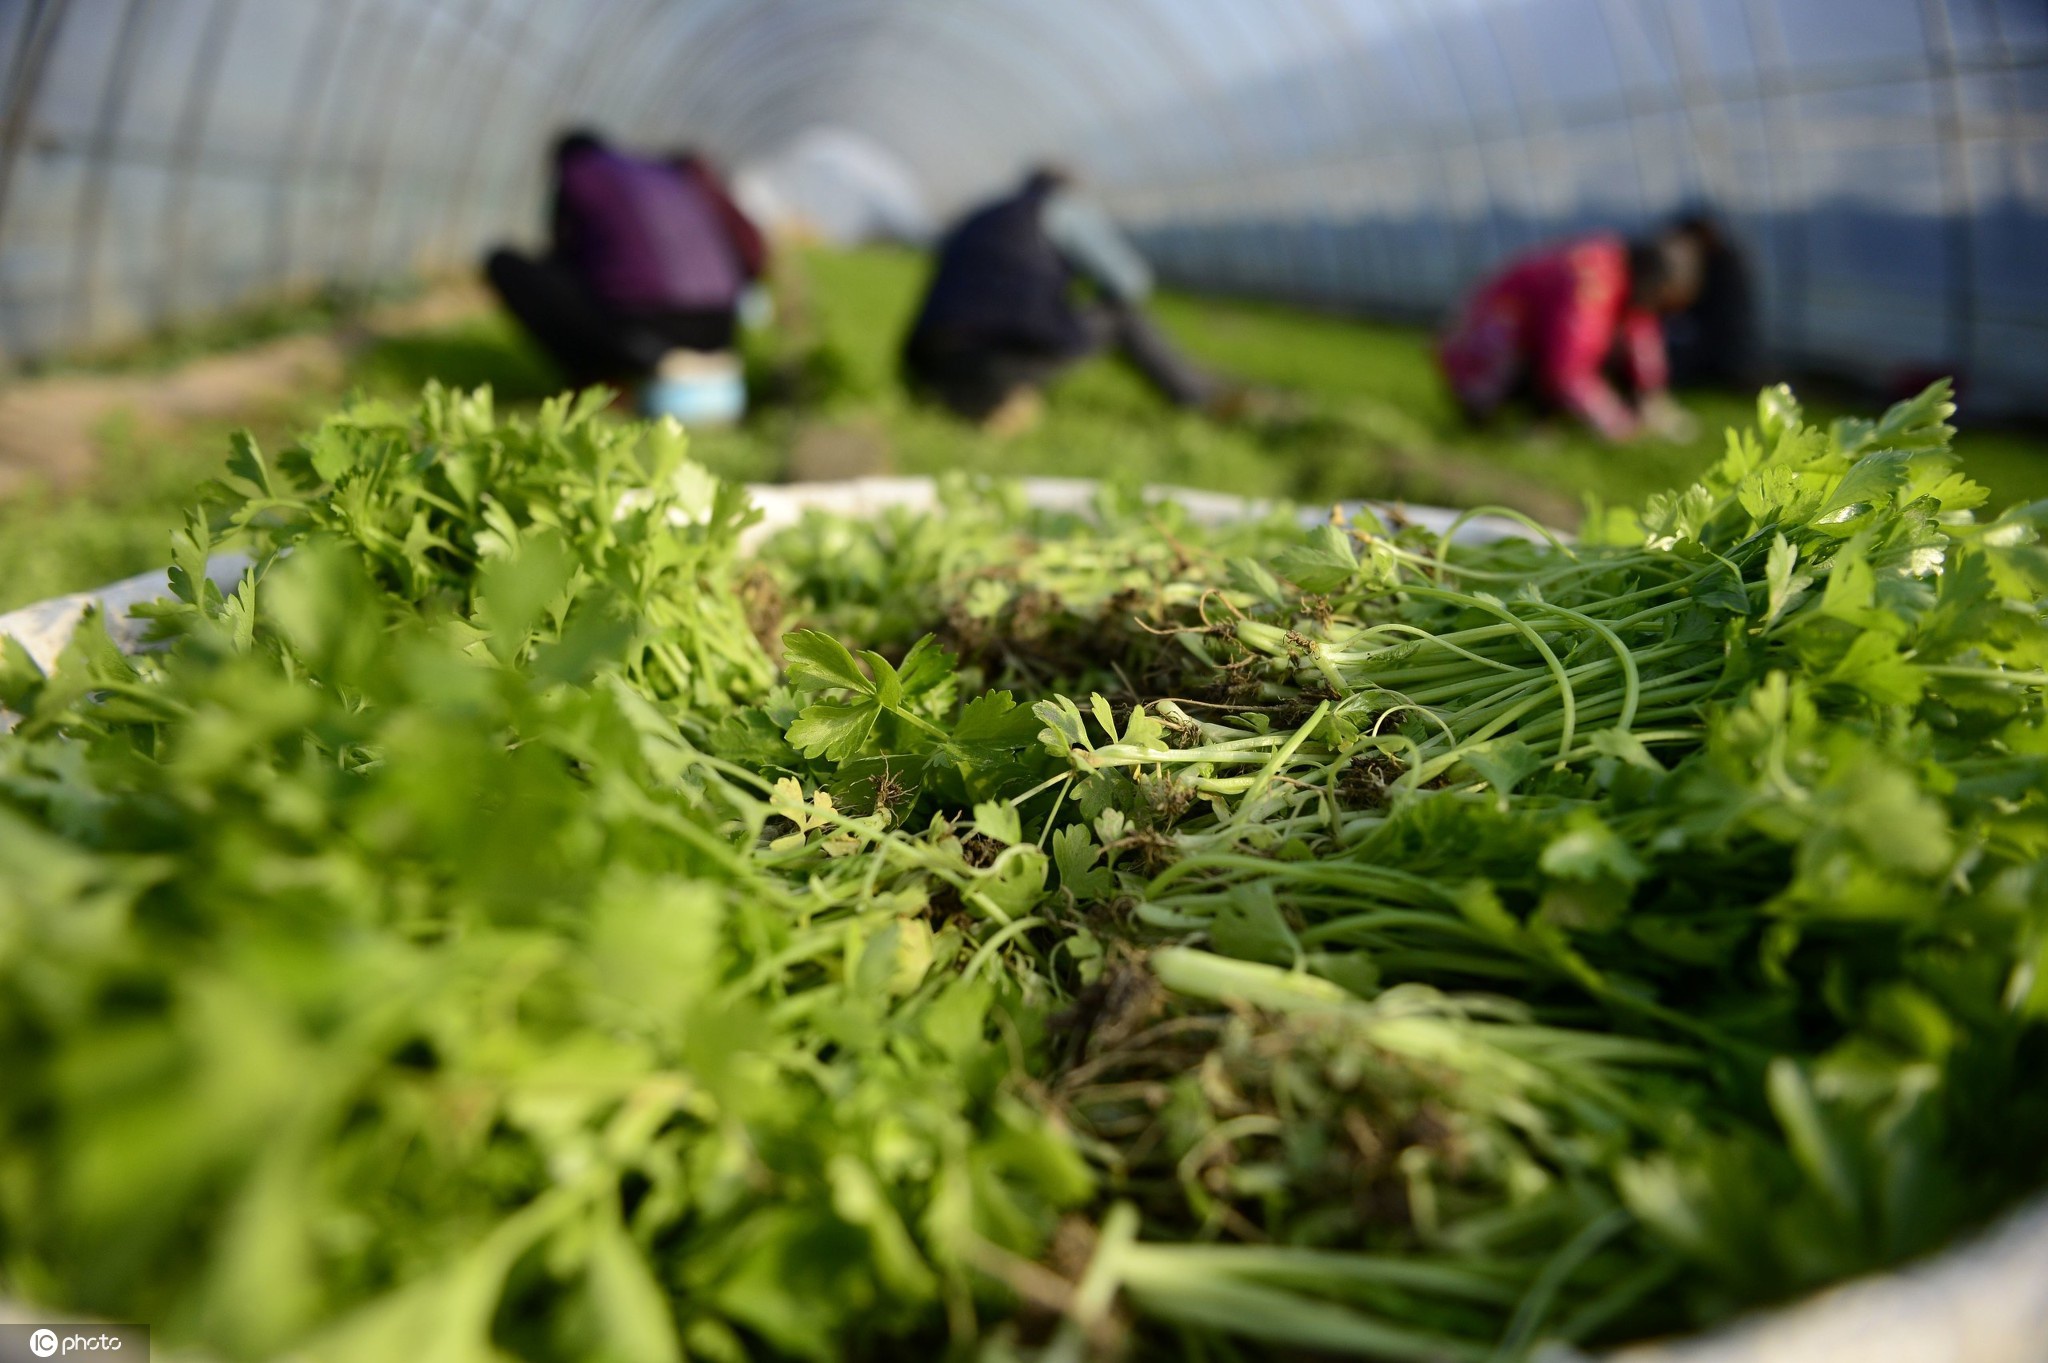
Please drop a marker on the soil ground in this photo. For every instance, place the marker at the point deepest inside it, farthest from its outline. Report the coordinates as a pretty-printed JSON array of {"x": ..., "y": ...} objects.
[{"x": 54, "y": 429}]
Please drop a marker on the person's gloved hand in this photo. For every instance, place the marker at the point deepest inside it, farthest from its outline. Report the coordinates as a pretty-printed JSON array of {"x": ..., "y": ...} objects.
[{"x": 1664, "y": 419}]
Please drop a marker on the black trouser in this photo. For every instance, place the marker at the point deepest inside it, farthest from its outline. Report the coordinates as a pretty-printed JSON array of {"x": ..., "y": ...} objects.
[
  {"x": 591, "y": 341},
  {"x": 973, "y": 375},
  {"x": 1528, "y": 392}
]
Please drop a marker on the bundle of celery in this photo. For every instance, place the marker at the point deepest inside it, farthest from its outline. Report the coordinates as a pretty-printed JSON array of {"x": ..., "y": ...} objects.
[{"x": 512, "y": 925}]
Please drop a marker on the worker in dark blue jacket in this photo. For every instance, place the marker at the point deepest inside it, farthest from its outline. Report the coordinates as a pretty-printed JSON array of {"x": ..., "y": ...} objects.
[{"x": 1002, "y": 318}]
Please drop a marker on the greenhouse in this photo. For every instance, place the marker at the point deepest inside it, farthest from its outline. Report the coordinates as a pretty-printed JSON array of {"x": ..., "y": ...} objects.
[{"x": 1024, "y": 683}]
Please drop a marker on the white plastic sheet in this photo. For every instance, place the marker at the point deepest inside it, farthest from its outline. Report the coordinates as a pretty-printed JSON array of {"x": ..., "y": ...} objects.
[{"x": 44, "y": 628}]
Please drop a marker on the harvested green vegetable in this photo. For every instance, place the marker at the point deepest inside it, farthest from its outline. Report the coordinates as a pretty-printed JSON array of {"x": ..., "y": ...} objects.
[{"x": 511, "y": 923}]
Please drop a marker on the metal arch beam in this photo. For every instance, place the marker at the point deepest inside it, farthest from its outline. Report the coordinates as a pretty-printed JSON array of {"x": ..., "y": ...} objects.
[
  {"x": 185, "y": 143},
  {"x": 599, "y": 52},
  {"x": 1712, "y": 140},
  {"x": 1098, "y": 62},
  {"x": 810, "y": 79},
  {"x": 1525, "y": 82},
  {"x": 1112, "y": 151},
  {"x": 1960, "y": 231},
  {"x": 92, "y": 201},
  {"x": 1430, "y": 131},
  {"x": 1083, "y": 53},
  {"x": 381, "y": 124},
  {"x": 1338, "y": 19},
  {"x": 625, "y": 103},
  {"x": 622, "y": 82},
  {"x": 1013, "y": 49},
  {"x": 459, "y": 58},
  {"x": 345, "y": 115},
  {"x": 710, "y": 26},
  {"x": 1231, "y": 128},
  {"x": 888, "y": 52},
  {"x": 1327, "y": 29},
  {"x": 483, "y": 122},
  {"x": 778, "y": 96},
  {"x": 468, "y": 29},
  {"x": 1002, "y": 63},
  {"x": 1635, "y": 110},
  {"x": 768, "y": 116},
  {"x": 882, "y": 42},
  {"x": 1149, "y": 139},
  {"x": 963, "y": 61},
  {"x": 1424, "y": 21},
  {"x": 1313, "y": 103},
  {"x": 544, "y": 114},
  {"x": 1164, "y": 50},
  {"x": 1106, "y": 35},
  {"x": 1789, "y": 250},
  {"x": 24, "y": 82},
  {"x": 1239, "y": 140},
  {"x": 20, "y": 21},
  {"x": 350, "y": 122},
  {"x": 1334, "y": 269},
  {"x": 549, "y": 107},
  {"x": 1333, "y": 26},
  {"x": 997, "y": 45},
  {"x": 1228, "y": 127},
  {"x": 1113, "y": 43},
  {"x": 689, "y": 23},
  {"x": 969, "y": 72},
  {"x": 649, "y": 57},
  {"x": 894, "y": 93},
  {"x": 1093, "y": 85},
  {"x": 323, "y": 52},
  {"x": 1375, "y": 264},
  {"x": 779, "y": 72},
  {"x": 25, "y": 79},
  {"x": 563, "y": 100},
  {"x": 1328, "y": 266},
  {"x": 514, "y": 36},
  {"x": 713, "y": 27},
  {"x": 1282, "y": 243}
]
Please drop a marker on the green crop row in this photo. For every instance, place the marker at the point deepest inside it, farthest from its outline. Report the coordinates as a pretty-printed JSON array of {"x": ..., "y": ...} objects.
[{"x": 516, "y": 922}]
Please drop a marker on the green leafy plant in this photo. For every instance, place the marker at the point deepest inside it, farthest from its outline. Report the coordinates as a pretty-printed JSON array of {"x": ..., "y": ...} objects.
[{"x": 1095, "y": 933}]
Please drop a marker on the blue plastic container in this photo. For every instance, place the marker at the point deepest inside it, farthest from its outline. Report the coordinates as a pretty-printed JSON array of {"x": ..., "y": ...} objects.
[{"x": 696, "y": 389}]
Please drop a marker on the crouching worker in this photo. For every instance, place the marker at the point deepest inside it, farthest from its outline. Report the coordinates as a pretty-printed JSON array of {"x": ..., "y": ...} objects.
[
  {"x": 1000, "y": 319},
  {"x": 643, "y": 275},
  {"x": 1576, "y": 329},
  {"x": 1714, "y": 340}
]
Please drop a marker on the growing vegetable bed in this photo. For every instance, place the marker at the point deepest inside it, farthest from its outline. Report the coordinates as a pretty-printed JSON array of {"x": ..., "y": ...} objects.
[{"x": 515, "y": 922}]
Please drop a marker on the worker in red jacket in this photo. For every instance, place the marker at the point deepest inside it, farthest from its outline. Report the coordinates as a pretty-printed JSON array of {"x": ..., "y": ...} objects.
[{"x": 1575, "y": 328}]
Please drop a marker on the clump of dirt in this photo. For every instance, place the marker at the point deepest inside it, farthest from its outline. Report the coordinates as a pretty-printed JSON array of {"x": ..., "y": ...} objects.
[
  {"x": 1208, "y": 1111},
  {"x": 979, "y": 850},
  {"x": 762, "y": 600},
  {"x": 1365, "y": 780},
  {"x": 1037, "y": 637}
]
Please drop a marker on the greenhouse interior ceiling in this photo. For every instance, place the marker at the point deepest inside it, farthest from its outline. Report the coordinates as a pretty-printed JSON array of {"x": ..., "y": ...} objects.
[{"x": 1885, "y": 162}]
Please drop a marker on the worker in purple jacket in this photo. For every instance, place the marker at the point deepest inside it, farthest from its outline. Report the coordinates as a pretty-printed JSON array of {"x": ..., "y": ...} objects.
[{"x": 643, "y": 262}]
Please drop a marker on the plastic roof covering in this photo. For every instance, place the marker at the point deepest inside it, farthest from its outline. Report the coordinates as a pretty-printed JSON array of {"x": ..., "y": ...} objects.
[{"x": 1886, "y": 161}]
